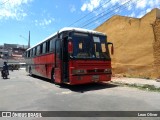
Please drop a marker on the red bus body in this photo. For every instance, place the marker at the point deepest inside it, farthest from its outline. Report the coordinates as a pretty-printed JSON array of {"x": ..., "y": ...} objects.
[{"x": 60, "y": 67}]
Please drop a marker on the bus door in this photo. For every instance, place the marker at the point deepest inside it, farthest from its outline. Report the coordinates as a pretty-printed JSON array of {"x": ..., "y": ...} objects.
[
  {"x": 57, "y": 70},
  {"x": 65, "y": 60}
]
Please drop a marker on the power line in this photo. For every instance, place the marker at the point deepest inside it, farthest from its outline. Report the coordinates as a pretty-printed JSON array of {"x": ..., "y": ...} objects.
[
  {"x": 90, "y": 13},
  {"x": 97, "y": 15},
  {"x": 104, "y": 14},
  {"x": 120, "y": 9},
  {"x": 104, "y": 18},
  {"x": 101, "y": 16},
  {"x": 111, "y": 14},
  {"x": 112, "y": 11}
]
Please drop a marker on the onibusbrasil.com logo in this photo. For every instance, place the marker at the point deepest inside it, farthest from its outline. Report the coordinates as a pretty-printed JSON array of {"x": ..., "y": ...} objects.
[{"x": 21, "y": 114}]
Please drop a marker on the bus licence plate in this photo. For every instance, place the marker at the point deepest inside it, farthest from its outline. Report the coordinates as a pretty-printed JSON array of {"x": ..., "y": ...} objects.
[{"x": 95, "y": 77}]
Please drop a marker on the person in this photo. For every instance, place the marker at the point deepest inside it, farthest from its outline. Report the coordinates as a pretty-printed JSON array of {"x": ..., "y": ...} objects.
[{"x": 5, "y": 67}]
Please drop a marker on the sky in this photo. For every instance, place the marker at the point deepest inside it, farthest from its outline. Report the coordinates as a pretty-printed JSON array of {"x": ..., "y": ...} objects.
[{"x": 45, "y": 17}]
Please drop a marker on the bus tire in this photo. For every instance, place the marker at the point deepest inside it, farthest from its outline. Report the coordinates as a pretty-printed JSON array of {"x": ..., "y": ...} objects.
[
  {"x": 30, "y": 71},
  {"x": 52, "y": 76}
]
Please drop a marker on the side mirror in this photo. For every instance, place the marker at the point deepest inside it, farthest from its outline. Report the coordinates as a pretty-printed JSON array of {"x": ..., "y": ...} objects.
[{"x": 112, "y": 48}]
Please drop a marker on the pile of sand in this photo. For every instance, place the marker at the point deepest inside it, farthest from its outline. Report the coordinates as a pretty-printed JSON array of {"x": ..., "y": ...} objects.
[{"x": 136, "y": 44}]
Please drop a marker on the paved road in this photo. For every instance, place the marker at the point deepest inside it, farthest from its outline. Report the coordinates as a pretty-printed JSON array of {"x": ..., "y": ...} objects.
[{"x": 24, "y": 93}]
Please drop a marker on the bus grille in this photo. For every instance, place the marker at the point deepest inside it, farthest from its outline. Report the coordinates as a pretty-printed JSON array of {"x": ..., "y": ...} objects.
[
  {"x": 96, "y": 71},
  {"x": 93, "y": 65}
]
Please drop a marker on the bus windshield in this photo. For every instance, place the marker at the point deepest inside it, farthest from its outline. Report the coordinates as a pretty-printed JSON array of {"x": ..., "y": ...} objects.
[{"x": 89, "y": 46}]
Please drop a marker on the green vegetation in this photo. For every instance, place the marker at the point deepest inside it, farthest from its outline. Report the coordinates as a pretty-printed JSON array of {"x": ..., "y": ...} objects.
[
  {"x": 141, "y": 87},
  {"x": 136, "y": 76}
]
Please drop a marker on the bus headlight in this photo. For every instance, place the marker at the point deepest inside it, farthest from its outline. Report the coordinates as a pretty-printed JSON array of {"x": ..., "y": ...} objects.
[
  {"x": 79, "y": 71},
  {"x": 108, "y": 70}
]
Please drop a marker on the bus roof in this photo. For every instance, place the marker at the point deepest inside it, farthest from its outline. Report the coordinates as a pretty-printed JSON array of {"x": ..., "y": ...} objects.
[
  {"x": 80, "y": 30},
  {"x": 69, "y": 29}
]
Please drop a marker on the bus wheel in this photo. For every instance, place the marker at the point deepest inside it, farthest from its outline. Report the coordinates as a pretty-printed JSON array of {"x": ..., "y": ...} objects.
[
  {"x": 52, "y": 76},
  {"x": 30, "y": 71}
]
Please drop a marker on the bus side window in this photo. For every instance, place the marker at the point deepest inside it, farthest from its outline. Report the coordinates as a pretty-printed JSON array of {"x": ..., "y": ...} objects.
[
  {"x": 38, "y": 50},
  {"x": 44, "y": 48},
  {"x": 33, "y": 52},
  {"x": 52, "y": 45},
  {"x": 48, "y": 46},
  {"x": 41, "y": 49},
  {"x": 28, "y": 53}
]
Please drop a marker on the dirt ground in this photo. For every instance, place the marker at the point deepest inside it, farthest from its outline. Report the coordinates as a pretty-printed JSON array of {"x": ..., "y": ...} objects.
[{"x": 136, "y": 44}]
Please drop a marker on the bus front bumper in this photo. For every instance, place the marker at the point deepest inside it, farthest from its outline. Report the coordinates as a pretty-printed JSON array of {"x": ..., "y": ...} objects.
[{"x": 83, "y": 79}]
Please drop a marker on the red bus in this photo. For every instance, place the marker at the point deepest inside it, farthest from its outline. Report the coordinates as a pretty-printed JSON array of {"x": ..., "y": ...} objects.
[{"x": 71, "y": 56}]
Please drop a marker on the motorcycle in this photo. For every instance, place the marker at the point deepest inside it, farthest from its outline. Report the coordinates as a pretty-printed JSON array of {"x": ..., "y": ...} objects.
[{"x": 4, "y": 74}]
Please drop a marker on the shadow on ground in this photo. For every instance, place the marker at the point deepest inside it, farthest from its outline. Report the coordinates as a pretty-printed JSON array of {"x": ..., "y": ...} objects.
[
  {"x": 81, "y": 88},
  {"x": 88, "y": 87}
]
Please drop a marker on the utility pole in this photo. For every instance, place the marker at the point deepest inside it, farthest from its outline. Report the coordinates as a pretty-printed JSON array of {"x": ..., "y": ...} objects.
[{"x": 29, "y": 40}]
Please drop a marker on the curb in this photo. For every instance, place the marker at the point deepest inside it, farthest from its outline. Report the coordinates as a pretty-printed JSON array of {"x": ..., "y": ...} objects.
[{"x": 147, "y": 87}]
